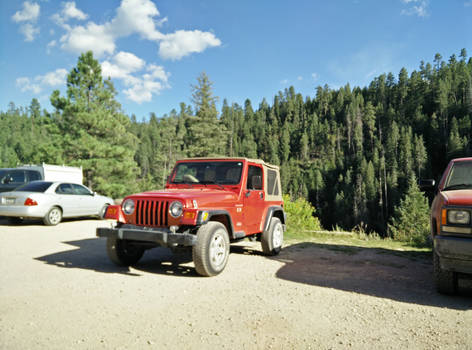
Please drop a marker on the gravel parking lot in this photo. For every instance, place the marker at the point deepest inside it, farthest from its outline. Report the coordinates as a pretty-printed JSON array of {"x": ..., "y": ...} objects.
[{"x": 58, "y": 290}]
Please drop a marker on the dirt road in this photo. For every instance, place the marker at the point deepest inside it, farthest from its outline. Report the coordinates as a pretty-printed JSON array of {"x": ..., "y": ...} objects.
[{"x": 58, "y": 290}]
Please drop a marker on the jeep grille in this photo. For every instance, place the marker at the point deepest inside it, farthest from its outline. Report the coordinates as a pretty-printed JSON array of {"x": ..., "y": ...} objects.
[{"x": 151, "y": 213}]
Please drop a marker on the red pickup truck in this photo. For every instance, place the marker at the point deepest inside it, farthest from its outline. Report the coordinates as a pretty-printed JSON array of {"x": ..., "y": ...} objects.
[
  {"x": 206, "y": 204},
  {"x": 451, "y": 225}
]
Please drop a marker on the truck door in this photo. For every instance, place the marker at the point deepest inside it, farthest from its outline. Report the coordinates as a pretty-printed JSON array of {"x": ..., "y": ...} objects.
[{"x": 253, "y": 199}]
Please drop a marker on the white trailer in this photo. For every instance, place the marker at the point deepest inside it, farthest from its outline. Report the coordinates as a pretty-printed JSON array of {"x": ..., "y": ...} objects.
[{"x": 57, "y": 172}]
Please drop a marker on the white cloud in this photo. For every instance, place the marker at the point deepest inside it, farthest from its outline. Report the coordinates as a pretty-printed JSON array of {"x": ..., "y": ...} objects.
[
  {"x": 468, "y": 4},
  {"x": 129, "y": 61},
  {"x": 136, "y": 16},
  {"x": 182, "y": 43},
  {"x": 30, "y": 13},
  {"x": 92, "y": 37},
  {"x": 133, "y": 17},
  {"x": 51, "y": 44},
  {"x": 28, "y": 16},
  {"x": 284, "y": 82},
  {"x": 70, "y": 11},
  {"x": 142, "y": 81},
  {"x": 36, "y": 85},
  {"x": 314, "y": 76},
  {"x": 299, "y": 78},
  {"x": 417, "y": 7},
  {"x": 29, "y": 31}
]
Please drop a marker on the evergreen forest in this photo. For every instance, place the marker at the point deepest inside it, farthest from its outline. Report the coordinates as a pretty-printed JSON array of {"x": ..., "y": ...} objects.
[{"x": 354, "y": 153}]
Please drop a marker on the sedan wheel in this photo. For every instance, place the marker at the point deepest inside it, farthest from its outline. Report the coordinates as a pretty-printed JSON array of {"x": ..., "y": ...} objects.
[{"x": 53, "y": 217}]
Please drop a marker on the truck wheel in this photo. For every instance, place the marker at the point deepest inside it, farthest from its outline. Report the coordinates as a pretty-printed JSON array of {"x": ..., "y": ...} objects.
[
  {"x": 53, "y": 217},
  {"x": 273, "y": 238},
  {"x": 123, "y": 253},
  {"x": 445, "y": 281},
  {"x": 211, "y": 252}
]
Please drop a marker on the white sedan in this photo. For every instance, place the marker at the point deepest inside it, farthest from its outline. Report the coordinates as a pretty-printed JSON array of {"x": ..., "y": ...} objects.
[{"x": 52, "y": 201}]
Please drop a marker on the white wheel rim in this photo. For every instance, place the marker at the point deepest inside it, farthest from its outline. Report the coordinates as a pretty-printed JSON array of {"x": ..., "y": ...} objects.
[
  {"x": 277, "y": 236},
  {"x": 217, "y": 249},
  {"x": 55, "y": 216}
]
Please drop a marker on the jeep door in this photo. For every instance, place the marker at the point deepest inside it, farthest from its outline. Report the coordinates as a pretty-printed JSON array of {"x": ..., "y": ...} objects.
[{"x": 253, "y": 199}]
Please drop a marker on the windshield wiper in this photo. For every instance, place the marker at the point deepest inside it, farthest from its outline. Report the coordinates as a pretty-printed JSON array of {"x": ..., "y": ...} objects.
[
  {"x": 213, "y": 183},
  {"x": 457, "y": 187},
  {"x": 183, "y": 182}
]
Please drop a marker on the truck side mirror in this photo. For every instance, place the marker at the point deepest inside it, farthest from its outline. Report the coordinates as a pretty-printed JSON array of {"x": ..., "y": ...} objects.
[
  {"x": 257, "y": 182},
  {"x": 427, "y": 184}
]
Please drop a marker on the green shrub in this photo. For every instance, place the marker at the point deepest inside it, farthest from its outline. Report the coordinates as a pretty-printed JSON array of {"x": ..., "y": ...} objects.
[
  {"x": 410, "y": 223},
  {"x": 300, "y": 215}
]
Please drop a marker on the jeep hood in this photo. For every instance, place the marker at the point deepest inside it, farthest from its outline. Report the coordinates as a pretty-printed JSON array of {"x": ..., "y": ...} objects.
[
  {"x": 203, "y": 196},
  {"x": 458, "y": 197}
]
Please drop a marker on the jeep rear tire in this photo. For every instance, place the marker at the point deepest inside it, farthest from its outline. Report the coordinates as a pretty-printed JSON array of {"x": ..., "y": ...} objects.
[
  {"x": 445, "y": 281},
  {"x": 211, "y": 252},
  {"x": 122, "y": 252},
  {"x": 272, "y": 239}
]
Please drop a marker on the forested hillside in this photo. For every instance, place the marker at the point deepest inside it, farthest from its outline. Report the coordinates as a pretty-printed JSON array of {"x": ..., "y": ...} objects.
[{"x": 351, "y": 152}]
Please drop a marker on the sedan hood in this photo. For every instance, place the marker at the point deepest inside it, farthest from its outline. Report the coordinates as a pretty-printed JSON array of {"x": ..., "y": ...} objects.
[{"x": 458, "y": 197}]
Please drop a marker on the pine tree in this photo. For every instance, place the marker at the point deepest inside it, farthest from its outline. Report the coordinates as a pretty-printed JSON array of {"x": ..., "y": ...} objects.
[
  {"x": 95, "y": 132},
  {"x": 207, "y": 135},
  {"x": 410, "y": 222}
]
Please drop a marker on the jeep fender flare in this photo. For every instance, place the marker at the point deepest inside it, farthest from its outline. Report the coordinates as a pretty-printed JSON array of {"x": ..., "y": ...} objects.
[
  {"x": 224, "y": 217},
  {"x": 275, "y": 211}
]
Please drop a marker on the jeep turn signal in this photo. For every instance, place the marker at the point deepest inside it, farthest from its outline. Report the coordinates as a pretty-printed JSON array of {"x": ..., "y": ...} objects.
[{"x": 202, "y": 217}]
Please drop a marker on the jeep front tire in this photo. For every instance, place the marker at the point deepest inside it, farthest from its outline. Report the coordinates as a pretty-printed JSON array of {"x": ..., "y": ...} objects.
[
  {"x": 122, "y": 252},
  {"x": 211, "y": 252},
  {"x": 272, "y": 239}
]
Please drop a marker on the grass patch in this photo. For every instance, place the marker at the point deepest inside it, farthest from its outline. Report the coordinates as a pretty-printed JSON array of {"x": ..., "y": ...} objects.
[{"x": 352, "y": 243}]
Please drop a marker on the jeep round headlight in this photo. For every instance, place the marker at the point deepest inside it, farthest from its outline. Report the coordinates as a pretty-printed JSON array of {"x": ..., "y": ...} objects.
[
  {"x": 176, "y": 209},
  {"x": 461, "y": 217},
  {"x": 128, "y": 206}
]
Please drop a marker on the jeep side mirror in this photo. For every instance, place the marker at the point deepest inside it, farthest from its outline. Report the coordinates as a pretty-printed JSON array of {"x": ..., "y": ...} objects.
[
  {"x": 257, "y": 182},
  {"x": 427, "y": 184}
]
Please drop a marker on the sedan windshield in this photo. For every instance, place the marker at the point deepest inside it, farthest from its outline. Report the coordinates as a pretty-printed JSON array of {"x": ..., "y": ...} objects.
[
  {"x": 35, "y": 186},
  {"x": 460, "y": 176},
  {"x": 221, "y": 173}
]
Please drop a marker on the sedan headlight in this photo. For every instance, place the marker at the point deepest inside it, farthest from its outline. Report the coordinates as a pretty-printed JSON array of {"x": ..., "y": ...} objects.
[
  {"x": 128, "y": 206},
  {"x": 176, "y": 209},
  {"x": 461, "y": 217}
]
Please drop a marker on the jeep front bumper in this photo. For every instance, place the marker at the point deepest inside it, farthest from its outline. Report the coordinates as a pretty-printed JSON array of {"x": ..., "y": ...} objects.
[{"x": 160, "y": 236}]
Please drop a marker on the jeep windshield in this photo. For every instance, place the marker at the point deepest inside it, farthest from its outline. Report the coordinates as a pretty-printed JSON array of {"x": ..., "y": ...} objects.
[
  {"x": 460, "y": 177},
  {"x": 207, "y": 173}
]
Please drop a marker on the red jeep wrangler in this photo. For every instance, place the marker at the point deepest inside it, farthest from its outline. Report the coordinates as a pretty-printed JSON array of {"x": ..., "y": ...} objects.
[
  {"x": 206, "y": 204},
  {"x": 451, "y": 225}
]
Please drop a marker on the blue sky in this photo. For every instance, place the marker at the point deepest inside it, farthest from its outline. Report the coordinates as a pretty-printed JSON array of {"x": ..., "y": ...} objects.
[{"x": 155, "y": 50}]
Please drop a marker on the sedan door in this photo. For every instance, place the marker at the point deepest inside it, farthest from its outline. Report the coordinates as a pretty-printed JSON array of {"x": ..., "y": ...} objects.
[
  {"x": 88, "y": 202},
  {"x": 67, "y": 200}
]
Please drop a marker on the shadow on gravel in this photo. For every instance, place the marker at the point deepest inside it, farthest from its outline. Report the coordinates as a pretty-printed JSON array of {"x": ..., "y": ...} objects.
[
  {"x": 91, "y": 255},
  {"x": 383, "y": 273}
]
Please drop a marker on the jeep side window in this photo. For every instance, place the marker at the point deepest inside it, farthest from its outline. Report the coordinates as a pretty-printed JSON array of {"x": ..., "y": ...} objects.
[
  {"x": 254, "y": 178},
  {"x": 272, "y": 183}
]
